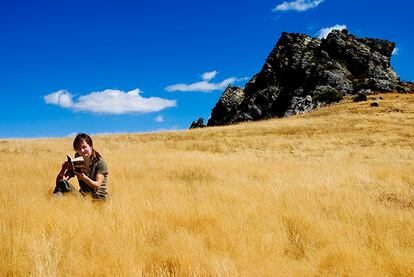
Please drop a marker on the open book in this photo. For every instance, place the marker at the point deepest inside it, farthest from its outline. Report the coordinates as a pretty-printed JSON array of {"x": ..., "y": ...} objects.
[{"x": 78, "y": 164}]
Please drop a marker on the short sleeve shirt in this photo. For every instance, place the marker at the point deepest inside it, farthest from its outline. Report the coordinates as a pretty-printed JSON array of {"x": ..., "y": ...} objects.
[{"x": 98, "y": 166}]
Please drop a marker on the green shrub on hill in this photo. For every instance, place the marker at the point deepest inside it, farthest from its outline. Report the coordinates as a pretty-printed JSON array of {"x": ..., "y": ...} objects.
[{"x": 327, "y": 95}]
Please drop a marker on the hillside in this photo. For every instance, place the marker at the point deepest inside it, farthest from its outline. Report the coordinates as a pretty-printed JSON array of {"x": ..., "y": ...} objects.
[{"x": 327, "y": 193}]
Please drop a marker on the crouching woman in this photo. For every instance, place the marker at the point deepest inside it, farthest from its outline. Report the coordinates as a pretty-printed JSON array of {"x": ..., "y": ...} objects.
[{"x": 94, "y": 181}]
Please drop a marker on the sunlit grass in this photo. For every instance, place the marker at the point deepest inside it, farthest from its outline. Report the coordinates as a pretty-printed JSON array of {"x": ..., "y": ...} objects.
[{"x": 329, "y": 193}]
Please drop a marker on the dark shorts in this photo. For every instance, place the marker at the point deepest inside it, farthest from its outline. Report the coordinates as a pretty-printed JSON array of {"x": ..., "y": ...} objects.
[{"x": 64, "y": 186}]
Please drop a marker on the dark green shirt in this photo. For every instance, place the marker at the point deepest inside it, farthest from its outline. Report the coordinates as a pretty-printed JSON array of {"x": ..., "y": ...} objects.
[{"x": 97, "y": 167}]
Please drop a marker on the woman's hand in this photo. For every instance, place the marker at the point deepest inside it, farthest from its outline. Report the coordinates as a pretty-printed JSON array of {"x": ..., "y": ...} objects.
[
  {"x": 65, "y": 172},
  {"x": 65, "y": 166},
  {"x": 81, "y": 176},
  {"x": 89, "y": 182}
]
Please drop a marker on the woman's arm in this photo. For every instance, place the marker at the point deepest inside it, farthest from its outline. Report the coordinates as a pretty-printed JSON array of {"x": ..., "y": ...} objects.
[
  {"x": 91, "y": 183},
  {"x": 64, "y": 173}
]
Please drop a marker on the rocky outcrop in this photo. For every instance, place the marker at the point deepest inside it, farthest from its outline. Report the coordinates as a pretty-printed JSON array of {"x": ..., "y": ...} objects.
[
  {"x": 361, "y": 96},
  {"x": 198, "y": 124},
  {"x": 227, "y": 108},
  {"x": 302, "y": 73}
]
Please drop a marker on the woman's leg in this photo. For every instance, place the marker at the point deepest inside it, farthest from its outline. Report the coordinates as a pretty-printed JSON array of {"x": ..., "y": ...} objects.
[{"x": 63, "y": 186}]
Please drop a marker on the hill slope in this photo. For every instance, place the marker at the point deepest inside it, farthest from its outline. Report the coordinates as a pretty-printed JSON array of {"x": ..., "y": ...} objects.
[{"x": 325, "y": 193}]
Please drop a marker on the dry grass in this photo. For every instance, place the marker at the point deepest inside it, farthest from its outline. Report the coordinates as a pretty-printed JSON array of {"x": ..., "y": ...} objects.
[{"x": 330, "y": 193}]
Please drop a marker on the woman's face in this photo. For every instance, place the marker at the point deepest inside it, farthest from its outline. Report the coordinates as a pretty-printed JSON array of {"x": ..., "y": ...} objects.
[{"x": 84, "y": 149}]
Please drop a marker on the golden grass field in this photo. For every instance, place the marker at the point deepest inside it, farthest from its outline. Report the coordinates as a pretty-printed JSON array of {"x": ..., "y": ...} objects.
[{"x": 329, "y": 193}]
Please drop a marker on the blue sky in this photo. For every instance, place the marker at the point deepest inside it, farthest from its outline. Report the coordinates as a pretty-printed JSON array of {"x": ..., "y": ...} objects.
[{"x": 138, "y": 66}]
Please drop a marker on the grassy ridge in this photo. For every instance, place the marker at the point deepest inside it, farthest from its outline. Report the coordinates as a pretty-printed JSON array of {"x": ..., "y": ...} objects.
[{"x": 321, "y": 194}]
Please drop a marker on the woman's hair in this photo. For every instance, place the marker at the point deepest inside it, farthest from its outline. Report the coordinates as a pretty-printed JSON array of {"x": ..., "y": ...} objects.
[{"x": 81, "y": 137}]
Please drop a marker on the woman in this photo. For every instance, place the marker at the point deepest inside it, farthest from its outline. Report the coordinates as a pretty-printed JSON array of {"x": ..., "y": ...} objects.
[{"x": 94, "y": 180}]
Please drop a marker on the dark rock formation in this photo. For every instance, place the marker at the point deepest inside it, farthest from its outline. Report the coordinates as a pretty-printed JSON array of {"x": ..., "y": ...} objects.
[
  {"x": 198, "y": 124},
  {"x": 227, "y": 108},
  {"x": 302, "y": 73},
  {"x": 362, "y": 95}
]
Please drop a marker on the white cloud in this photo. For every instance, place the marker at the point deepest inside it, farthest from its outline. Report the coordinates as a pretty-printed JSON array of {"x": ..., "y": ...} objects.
[
  {"x": 102, "y": 133},
  {"x": 243, "y": 79},
  {"x": 61, "y": 98},
  {"x": 323, "y": 33},
  {"x": 205, "y": 85},
  {"x": 72, "y": 135},
  {"x": 159, "y": 118},
  {"x": 298, "y": 5},
  {"x": 395, "y": 51},
  {"x": 110, "y": 101},
  {"x": 207, "y": 76},
  {"x": 171, "y": 128}
]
